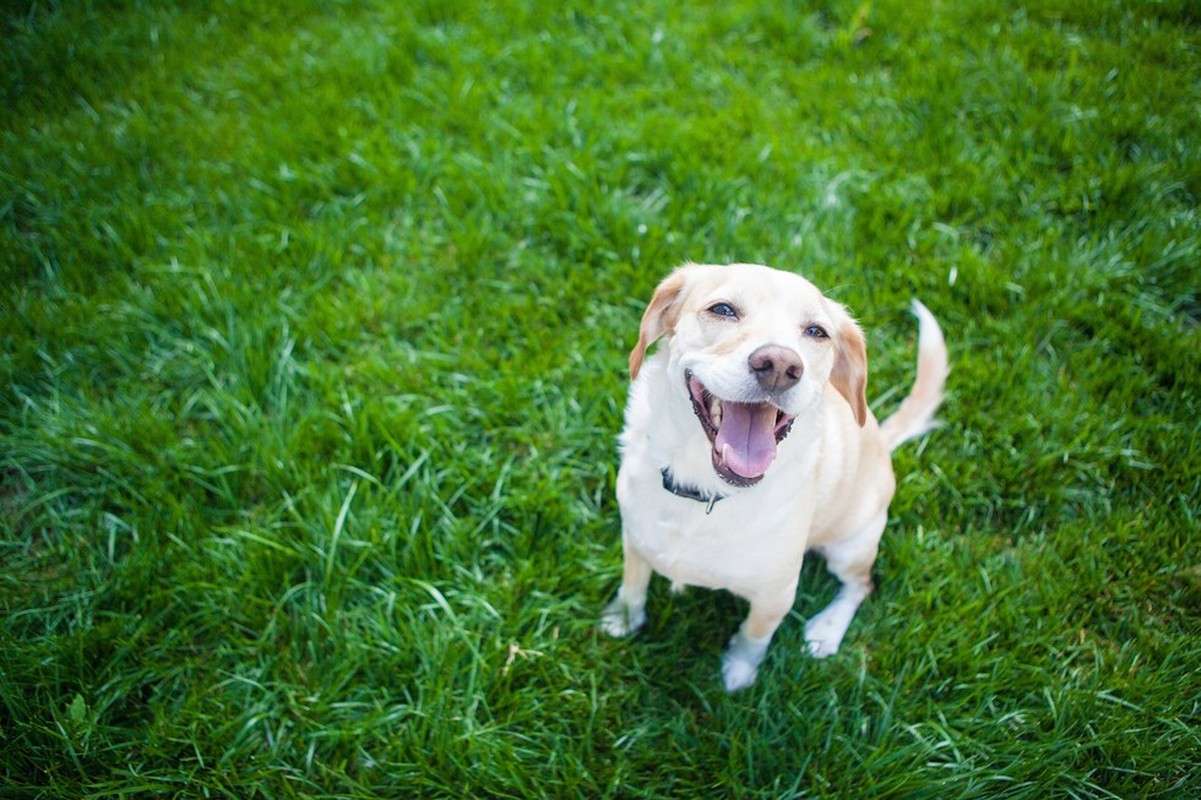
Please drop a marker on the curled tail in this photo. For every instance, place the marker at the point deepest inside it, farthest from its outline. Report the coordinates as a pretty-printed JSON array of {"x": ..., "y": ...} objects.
[{"x": 916, "y": 413}]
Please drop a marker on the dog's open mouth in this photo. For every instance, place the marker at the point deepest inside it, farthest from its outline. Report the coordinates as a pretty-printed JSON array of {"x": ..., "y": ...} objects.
[{"x": 744, "y": 435}]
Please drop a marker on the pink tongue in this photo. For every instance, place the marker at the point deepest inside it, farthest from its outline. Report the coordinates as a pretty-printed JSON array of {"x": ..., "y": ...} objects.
[{"x": 748, "y": 437}]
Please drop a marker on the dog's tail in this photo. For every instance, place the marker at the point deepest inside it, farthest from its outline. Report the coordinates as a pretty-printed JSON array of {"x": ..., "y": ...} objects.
[{"x": 916, "y": 414}]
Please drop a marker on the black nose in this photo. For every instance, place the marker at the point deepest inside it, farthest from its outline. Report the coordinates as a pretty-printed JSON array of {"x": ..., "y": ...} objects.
[{"x": 776, "y": 368}]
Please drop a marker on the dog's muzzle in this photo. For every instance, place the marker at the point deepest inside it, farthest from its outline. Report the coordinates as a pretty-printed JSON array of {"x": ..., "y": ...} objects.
[{"x": 743, "y": 435}]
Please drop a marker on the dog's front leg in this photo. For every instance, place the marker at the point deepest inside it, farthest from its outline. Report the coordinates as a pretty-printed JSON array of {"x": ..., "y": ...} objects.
[
  {"x": 627, "y": 612},
  {"x": 740, "y": 663},
  {"x": 851, "y": 562}
]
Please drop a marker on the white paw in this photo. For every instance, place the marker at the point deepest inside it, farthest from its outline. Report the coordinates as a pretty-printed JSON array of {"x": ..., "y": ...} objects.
[
  {"x": 825, "y": 631},
  {"x": 736, "y": 672},
  {"x": 821, "y": 649},
  {"x": 620, "y": 619},
  {"x": 823, "y": 635},
  {"x": 740, "y": 663}
]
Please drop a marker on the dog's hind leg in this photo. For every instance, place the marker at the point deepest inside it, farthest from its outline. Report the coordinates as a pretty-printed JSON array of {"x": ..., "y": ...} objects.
[
  {"x": 627, "y": 612},
  {"x": 851, "y": 562}
]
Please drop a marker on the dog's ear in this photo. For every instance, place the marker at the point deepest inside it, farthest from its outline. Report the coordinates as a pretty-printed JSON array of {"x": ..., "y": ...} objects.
[
  {"x": 660, "y": 316},
  {"x": 849, "y": 375}
]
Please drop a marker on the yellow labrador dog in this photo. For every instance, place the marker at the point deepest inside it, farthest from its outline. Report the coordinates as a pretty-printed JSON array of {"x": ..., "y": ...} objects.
[{"x": 748, "y": 441}]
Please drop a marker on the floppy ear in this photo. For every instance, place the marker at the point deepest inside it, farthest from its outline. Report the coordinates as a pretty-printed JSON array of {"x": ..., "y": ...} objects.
[
  {"x": 849, "y": 375},
  {"x": 659, "y": 318}
]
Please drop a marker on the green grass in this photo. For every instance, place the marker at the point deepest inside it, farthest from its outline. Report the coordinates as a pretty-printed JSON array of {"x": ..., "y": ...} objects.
[{"x": 313, "y": 325}]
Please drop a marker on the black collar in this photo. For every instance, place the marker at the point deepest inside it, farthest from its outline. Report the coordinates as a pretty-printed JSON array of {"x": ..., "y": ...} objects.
[{"x": 689, "y": 492}]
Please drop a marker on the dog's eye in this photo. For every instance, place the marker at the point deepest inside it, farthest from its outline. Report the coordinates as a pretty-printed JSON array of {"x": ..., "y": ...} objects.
[
  {"x": 724, "y": 310},
  {"x": 816, "y": 332}
]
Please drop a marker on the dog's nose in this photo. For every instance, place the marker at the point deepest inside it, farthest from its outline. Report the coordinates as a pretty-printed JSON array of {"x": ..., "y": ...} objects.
[{"x": 776, "y": 368}]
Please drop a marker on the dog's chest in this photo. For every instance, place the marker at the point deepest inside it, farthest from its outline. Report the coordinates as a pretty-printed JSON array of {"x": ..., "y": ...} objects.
[{"x": 731, "y": 548}]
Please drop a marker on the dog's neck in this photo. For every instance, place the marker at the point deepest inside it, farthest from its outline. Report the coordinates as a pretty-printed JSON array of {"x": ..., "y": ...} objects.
[{"x": 689, "y": 492}]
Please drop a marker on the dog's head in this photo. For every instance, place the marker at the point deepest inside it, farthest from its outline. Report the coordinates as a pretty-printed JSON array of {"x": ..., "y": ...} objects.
[{"x": 753, "y": 349}]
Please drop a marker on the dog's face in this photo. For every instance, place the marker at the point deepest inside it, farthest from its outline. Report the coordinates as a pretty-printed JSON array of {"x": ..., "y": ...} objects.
[{"x": 752, "y": 350}]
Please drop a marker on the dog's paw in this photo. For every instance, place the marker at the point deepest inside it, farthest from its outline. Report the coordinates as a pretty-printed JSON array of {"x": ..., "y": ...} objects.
[
  {"x": 740, "y": 663},
  {"x": 821, "y": 649},
  {"x": 823, "y": 636},
  {"x": 737, "y": 672},
  {"x": 620, "y": 619}
]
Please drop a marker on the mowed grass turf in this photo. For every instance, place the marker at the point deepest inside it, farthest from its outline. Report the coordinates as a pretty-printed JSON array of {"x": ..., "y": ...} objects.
[{"x": 313, "y": 331}]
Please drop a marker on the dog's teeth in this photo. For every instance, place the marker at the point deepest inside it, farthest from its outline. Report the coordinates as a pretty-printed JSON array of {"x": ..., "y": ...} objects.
[
  {"x": 725, "y": 448},
  {"x": 715, "y": 412}
]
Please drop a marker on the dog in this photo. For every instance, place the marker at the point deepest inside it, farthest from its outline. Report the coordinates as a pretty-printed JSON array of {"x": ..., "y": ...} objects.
[{"x": 748, "y": 442}]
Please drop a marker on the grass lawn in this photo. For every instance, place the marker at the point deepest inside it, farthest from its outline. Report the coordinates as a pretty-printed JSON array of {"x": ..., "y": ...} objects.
[{"x": 313, "y": 328}]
